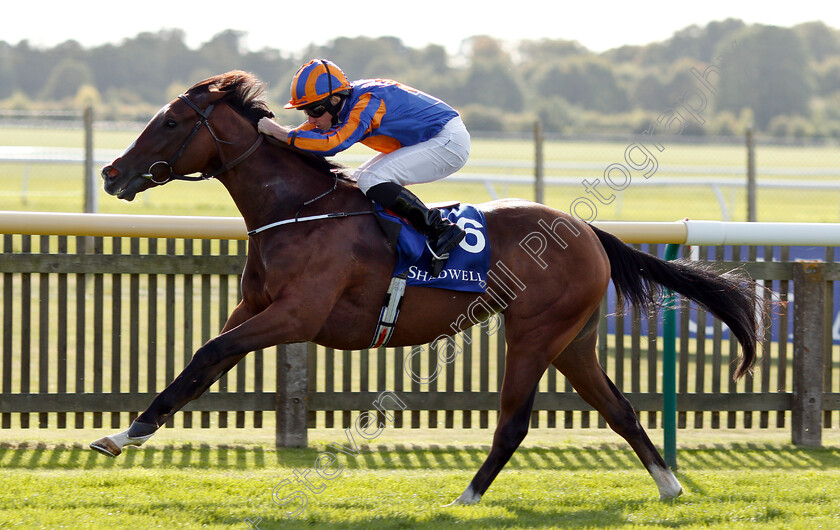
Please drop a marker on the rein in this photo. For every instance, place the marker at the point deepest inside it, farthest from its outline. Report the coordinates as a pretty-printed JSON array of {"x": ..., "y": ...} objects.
[
  {"x": 203, "y": 120},
  {"x": 297, "y": 219},
  {"x": 334, "y": 215}
]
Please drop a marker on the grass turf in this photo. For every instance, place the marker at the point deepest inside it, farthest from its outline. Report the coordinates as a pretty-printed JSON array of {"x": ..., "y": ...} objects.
[{"x": 591, "y": 481}]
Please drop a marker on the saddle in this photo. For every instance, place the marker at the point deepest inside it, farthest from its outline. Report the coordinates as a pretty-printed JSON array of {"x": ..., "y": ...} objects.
[
  {"x": 466, "y": 269},
  {"x": 392, "y": 228}
]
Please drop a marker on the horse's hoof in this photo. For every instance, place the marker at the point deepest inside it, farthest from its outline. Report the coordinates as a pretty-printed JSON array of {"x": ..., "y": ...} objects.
[
  {"x": 106, "y": 447},
  {"x": 668, "y": 485},
  {"x": 467, "y": 498},
  {"x": 112, "y": 445},
  {"x": 671, "y": 495}
]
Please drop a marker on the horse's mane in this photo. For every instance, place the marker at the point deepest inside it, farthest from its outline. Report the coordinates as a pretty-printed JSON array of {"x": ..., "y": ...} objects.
[
  {"x": 316, "y": 162},
  {"x": 246, "y": 94}
]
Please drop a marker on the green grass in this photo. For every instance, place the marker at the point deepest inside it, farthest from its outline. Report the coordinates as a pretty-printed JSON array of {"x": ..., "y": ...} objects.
[{"x": 567, "y": 484}]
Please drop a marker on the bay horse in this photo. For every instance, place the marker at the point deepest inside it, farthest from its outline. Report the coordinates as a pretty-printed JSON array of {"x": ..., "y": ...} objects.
[{"x": 324, "y": 281}]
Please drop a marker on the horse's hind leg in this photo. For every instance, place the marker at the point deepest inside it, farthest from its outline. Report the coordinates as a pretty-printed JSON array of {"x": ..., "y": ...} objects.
[
  {"x": 531, "y": 347},
  {"x": 517, "y": 399},
  {"x": 579, "y": 363}
]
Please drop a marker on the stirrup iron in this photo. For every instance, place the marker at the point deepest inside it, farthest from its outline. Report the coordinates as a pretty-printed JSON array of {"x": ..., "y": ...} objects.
[{"x": 438, "y": 262}]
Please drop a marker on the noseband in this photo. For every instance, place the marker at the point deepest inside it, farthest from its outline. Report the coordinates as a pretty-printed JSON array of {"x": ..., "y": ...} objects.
[{"x": 203, "y": 120}]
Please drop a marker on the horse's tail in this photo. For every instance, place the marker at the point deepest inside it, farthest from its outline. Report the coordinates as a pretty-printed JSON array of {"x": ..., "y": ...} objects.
[{"x": 639, "y": 277}]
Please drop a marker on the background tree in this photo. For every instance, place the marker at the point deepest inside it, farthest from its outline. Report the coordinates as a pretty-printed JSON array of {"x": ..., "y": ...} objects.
[
  {"x": 224, "y": 51},
  {"x": 820, "y": 41},
  {"x": 497, "y": 85},
  {"x": 588, "y": 82},
  {"x": 145, "y": 65},
  {"x": 491, "y": 84},
  {"x": 66, "y": 79},
  {"x": 8, "y": 82},
  {"x": 767, "y": 71}
]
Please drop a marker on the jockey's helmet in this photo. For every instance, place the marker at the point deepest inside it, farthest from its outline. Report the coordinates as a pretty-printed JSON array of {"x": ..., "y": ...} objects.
[{"x": 315, "y": 81}]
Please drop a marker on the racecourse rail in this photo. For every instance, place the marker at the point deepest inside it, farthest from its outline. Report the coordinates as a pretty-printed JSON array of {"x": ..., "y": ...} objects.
[
  {"x": 685, "y": 232},
  {"x": 307, "y": 392}
]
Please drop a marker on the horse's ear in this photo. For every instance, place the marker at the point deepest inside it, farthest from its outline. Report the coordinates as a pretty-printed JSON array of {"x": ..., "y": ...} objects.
[{"x": 214, "y": 95}]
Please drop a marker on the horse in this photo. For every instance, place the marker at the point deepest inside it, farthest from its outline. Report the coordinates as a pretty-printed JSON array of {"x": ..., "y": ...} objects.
[{"x": 324, "y": 280}]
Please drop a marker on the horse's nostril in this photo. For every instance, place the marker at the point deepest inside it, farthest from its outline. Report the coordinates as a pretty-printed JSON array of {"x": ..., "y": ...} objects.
[{"x": 110, "y": 172}]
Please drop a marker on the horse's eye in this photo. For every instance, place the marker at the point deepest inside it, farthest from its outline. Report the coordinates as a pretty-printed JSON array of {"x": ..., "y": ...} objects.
[{"x": 170, "y": 124}]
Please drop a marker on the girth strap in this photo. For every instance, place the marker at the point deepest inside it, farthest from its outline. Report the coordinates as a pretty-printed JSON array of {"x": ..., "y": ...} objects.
[{"x": 390, "y": 311}]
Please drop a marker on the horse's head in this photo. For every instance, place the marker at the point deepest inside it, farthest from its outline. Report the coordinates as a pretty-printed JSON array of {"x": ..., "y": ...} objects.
[{"x": 180, "y": 140}]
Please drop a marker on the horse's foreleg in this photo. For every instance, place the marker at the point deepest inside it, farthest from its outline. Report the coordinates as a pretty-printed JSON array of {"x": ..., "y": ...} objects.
[
  {"x": 205, "y": 368},
  {"x": 579, "y": 363},
  {"x": 208, "y": 364}
]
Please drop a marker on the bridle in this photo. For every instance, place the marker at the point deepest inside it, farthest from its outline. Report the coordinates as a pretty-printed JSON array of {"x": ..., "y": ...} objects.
[{"x": 203, "y": 120}]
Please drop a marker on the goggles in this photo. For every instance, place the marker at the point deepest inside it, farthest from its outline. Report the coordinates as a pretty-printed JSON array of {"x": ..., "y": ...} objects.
[{"x": 315, "y": 111}]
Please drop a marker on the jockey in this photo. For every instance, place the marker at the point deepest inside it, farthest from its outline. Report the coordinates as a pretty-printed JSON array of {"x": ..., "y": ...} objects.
[{"x": 419, "y": 138}]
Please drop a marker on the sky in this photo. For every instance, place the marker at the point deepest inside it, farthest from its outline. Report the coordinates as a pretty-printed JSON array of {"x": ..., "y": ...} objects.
[{"x": 291, "y": 26}]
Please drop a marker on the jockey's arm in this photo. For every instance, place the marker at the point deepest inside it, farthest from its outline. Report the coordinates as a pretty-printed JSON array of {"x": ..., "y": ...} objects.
[{"x": 272, "y": 128}]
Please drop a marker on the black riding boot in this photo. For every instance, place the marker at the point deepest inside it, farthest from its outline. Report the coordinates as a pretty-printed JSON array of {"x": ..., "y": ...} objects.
[{"x": 442, "y": 235}]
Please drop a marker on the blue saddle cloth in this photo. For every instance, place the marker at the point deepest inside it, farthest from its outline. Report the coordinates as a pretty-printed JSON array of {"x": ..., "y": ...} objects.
[{"x": 468, "y": 263}]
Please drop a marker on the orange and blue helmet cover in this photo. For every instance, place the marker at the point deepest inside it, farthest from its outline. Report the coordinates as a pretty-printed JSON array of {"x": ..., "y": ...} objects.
[{"x": 315, "y": 81}]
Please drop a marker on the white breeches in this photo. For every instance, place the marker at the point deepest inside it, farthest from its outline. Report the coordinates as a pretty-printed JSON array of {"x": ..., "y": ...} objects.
[{"x": 436, "y": 158}]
